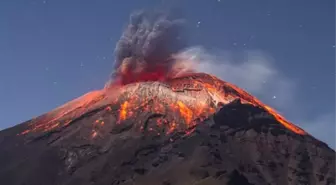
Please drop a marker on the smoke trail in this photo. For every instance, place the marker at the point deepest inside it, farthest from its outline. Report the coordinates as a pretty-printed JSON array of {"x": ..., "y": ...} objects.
[{"x": 146, "y": 46}]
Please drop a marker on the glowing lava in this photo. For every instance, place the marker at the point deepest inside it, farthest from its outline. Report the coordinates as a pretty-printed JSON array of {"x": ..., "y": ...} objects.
[
  {"x": 182, "y": 100},
  {"x": 64, "y": 114},
  {"x": 123, "y": 111}
]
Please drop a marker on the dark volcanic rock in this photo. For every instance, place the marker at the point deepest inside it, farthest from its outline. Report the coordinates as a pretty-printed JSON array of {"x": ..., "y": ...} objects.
[
  {"x": 249, "y": 154},
  {"x": 241, "y": 144}
]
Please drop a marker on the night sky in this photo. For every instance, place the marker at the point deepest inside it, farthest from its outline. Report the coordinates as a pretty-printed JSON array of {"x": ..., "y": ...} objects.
[{"x": 283, "y": 52}]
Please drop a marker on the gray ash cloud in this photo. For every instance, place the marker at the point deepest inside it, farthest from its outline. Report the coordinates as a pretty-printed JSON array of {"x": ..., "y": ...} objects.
[{"x": 151, "y": 37}]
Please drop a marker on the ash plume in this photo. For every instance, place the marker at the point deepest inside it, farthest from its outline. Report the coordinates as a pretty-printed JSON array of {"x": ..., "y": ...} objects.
[{"x": 147, "y": 45}]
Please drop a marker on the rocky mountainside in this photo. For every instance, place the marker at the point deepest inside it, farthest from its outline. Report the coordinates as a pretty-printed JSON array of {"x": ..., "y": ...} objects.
[{"x": 141, "y": 138}]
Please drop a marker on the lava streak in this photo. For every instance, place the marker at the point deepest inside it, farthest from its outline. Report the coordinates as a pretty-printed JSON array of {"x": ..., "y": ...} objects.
[
  {"x": 185, "y": 112},
  {"x": 123, "y": 111},
  {"x": 228, "y": 91},
  {"x": 64, "y": 114}
]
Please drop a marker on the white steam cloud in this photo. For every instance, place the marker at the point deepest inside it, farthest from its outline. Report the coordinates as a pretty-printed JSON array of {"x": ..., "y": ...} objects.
[{"x": 257, "y": 74}]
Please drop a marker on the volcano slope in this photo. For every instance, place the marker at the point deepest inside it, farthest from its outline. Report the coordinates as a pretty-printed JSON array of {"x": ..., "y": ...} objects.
[{"x": 194, "y": 129}]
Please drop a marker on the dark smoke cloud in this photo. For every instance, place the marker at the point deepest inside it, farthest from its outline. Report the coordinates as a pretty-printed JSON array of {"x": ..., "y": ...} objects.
[{"x": 151, "y": 37}]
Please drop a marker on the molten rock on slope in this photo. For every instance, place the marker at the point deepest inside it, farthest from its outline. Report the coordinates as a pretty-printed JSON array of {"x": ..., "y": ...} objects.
[
  {"x": 194, "y": 129},
  {"x": 190, "y": 97},
  {"x": 158, "y": 122}
]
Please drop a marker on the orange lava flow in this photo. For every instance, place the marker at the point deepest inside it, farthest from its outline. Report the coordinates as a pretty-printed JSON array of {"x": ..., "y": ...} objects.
[
  {"x": 123, "y": 111},
  {"x": 185, "y": 112},
  {"x": 223, "y": 92},
  {"x": 183, "y": 108},
  {"x": 276, "y": 115},
  {"x": 247, "y": 98},
  {"x": 63, "y": 115}
]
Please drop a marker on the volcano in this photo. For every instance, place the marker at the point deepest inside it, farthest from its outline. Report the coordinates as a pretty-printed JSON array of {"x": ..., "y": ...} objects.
[
  {"x": 191, "y": 129},
  {"x": 158, "y": 121}
]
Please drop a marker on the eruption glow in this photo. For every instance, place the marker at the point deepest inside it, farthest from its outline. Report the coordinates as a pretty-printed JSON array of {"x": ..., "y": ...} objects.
[{"x": 148, "y": 51}]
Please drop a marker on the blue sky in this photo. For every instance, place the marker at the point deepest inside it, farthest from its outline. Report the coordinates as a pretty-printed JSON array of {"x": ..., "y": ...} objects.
[{"x": 52, "y": 51}]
